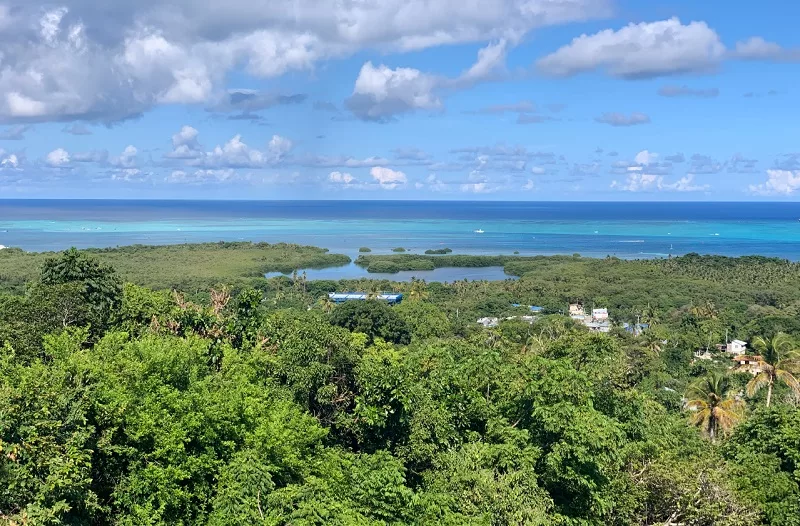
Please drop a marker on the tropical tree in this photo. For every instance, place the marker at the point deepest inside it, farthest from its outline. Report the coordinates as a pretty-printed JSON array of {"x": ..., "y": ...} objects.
[
  {"x": 780, "y": 360},
  {"x": 714, "y": 410}
]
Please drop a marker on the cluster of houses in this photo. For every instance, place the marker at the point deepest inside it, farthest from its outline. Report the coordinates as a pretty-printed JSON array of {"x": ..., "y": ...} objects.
[
  {"x": 597, "y": 322},
  {"x": 738, "y": 352},
  {"x": 494, "y": 322}
]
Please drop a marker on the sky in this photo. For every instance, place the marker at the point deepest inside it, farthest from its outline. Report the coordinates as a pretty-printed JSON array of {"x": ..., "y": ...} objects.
[{"x": 610, "y": 100}]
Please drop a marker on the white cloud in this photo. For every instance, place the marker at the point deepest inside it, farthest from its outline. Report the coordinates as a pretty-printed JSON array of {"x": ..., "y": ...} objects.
[
  {"x": 529, "y": 186},
  {"x": 58, "y": 157},
  {"x": 341, "y": 178},
  {"x": 237, "y": 154},
  {"x": 478, "y": 188},
  {"x": 127, "y": 159},
  {"x": 645, "y": 157},
  {"x": 185, "y": 144},
  {"x": 638, "y": 181},
  {"x": 641, "y": 50},
  {"x": 9, "y": 161},
  {"x": 129, "y": 175},
  {"x": 380, "y": 93},
  {"x": 75, "y": 61},
  {"x": 388, "y": 179},
  {"x": 684, "y": 184},
  {"x": 779, "y": 182},
  {"x": 538, "y": 170}
]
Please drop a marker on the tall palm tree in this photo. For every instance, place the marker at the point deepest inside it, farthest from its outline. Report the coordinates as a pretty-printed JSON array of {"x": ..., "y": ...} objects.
[
  {"x": 714, "y": 410},
  {"x": 780, "y": 360}
]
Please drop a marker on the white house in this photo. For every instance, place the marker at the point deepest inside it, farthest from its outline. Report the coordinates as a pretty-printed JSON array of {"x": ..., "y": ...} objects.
[
  {"x": 489, "y": 322},
  {"x": 737, "y": 347},
  {"x": 600, "y": 314}
]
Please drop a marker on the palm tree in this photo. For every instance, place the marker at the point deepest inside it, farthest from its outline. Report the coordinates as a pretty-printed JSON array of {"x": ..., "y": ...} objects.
[
  {"x": 714, "y": 410},
  {"x": 780, "y": 360},
  {"x": 418, "y": 290}
]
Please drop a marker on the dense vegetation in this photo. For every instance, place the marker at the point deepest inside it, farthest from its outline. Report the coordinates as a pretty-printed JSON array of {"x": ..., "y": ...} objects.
[
  {"x": 264, "y": 403},
  {"x": 185, "y": 267},
  {"x": 435, "y": 251}
]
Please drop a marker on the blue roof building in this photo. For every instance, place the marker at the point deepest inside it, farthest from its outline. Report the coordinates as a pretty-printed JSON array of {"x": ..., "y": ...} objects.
[{"x": 341, "y": 297}]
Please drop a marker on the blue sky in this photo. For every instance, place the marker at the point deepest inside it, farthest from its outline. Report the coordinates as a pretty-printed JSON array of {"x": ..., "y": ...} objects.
[{"x": 391, "y": 99}]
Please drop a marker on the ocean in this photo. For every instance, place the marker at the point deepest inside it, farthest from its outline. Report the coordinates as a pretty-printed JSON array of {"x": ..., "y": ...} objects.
[{"x": 625, "y": 230}]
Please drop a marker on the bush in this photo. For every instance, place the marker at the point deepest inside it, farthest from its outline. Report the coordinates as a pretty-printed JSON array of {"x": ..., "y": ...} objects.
[
  {"x": 438, "y": 251},
  {"x": 364, "y": 250},
  {"x": 374, "y": 318},
  {"x": 398, "y": 249}
]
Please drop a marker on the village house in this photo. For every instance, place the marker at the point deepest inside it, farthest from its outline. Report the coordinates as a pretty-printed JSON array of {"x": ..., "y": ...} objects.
[
  {"x": 749, "y": 363},
  {"x": 576, "y": 310},
  {"x": 736, "y": 347}
]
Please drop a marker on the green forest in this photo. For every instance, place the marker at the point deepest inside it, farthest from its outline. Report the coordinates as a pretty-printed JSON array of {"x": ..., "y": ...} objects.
[{"x": 175, "y": 385}]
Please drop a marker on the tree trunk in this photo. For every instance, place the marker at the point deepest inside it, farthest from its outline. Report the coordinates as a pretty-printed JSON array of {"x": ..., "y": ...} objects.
[{"x": 769, "y": 392}]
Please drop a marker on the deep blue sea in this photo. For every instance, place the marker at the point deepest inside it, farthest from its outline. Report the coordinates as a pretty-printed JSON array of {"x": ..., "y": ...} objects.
[{"x": 626, "y": 230}]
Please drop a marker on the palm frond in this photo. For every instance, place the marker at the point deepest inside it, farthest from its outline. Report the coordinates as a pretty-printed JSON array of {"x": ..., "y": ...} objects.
[
  {"x": 758, "y": 382},
  {"x": 789, "y": 379}
]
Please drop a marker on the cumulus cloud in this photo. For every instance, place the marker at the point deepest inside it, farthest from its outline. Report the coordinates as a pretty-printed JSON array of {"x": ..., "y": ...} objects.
[
  {"x": 10, "y": 161},
  {"x": 14, "y": 133},
  {"x": 70, "y": 60},
  {"x": 686, "y": 91},
  {"x": 620, "y": 119},
  {"x": 57, "y": 158},
  {"x": 237, "y": 154},
  {"x": 779, "y": 182},
  {"x": 127, "y": 159},
  {"x": 185, "y": 144},
  {"x": 387, "y": 178},
  {"x": 381, "y": 93},
  {"x": 479, "y": 188},
  {"x": 341, "y": 178},
  {"x": 648, "y": 182},
  {"x": 647, "y": 49}
]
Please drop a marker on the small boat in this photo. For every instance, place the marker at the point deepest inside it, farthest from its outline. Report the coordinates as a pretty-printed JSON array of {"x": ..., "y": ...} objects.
[{"x": 479, "y": 231}]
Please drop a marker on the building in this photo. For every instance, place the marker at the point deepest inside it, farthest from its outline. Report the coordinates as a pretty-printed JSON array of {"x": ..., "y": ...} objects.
[
  {"x": 534, "y": 308},
  {"x": 599, "y": 314},
  {"x": 489, "y": 322},
  {"x": 576, "y": 310},
  {"x": 341, "y": 297},
  {"x": 737, "y": 347},
  {"x": 748, "y": 363},
  {"x": 598, "y": 326}
]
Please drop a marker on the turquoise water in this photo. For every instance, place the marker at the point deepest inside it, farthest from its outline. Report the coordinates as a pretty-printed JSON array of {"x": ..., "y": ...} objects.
[{"x": 626, "y": 230}]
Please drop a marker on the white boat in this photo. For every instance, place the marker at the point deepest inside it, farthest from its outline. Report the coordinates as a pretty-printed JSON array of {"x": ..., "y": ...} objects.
[{"x": 479, "y": 231}]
